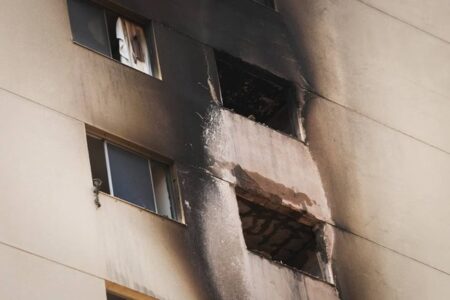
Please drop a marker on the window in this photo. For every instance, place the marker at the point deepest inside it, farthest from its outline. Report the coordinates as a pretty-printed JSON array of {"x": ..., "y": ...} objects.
[
  {"x": 268, "y": 3},
  {"x": 130, "y": 176},
  {"x": 113, "y": 35},
  {"x": 278, "y": 236},
  {"x": 256, "y": 93}
]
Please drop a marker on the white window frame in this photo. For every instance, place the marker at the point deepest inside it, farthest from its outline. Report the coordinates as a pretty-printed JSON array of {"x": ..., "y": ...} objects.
[
  {"x": 176, "y": 207},
  {"x": 149, "y": 160}
]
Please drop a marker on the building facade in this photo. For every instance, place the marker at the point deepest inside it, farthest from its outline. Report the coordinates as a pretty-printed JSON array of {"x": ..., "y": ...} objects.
[{"x": 223, "y": 149}]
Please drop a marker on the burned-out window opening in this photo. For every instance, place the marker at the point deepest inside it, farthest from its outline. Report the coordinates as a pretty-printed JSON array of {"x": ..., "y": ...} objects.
[
  {"x": 279, "y": 237},
  {"x": 133, "y": 177},
  {"x": 256, "y": 94},
  {"x": 114, "y": 35}
]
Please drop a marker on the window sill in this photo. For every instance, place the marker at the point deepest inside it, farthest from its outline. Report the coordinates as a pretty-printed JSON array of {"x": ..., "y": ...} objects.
[
  {"x": 142, "y": 209},
  {"x": 159, "y": 78}
]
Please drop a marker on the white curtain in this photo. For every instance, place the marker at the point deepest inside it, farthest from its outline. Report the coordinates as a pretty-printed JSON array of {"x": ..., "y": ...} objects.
[{"x": 133, "y": 45}]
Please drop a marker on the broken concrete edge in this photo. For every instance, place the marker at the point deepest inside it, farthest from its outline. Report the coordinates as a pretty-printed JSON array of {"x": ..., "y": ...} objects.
[{"x": 273, "y": 195}]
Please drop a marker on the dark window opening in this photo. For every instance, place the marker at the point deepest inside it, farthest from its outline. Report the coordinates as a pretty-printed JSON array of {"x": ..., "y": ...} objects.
[
  {"x": 130, "y": 176},
  {"x": 256, "y": 93},
  {"x": 279, "y": 237},
  {"x": 113, "y": 35}
]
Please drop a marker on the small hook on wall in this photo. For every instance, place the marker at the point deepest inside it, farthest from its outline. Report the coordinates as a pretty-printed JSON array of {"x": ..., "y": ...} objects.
[{"x": 97, "y": 184}]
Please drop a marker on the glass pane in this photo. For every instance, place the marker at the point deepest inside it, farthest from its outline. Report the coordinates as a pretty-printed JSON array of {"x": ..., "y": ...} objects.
[
  {"x": 98, "y": 162},
  {"x": 89, "y": 25},
  {"x": 162, "y": 187},
  {"x": 130, "y": 175}
]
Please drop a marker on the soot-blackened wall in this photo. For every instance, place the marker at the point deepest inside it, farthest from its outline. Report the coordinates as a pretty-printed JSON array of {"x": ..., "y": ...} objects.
[{"x": 177, "y": 117}]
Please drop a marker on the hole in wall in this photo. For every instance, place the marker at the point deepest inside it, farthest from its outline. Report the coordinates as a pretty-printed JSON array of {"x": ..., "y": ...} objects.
[{"x": 279, "y": 237}]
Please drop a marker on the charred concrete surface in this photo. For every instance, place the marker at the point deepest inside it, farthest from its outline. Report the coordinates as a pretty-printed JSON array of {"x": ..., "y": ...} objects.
[{"x": 49, "y": 95}]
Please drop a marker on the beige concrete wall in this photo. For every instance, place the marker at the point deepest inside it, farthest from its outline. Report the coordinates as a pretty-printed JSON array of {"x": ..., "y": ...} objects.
[
  {"x": 27, "y": 276},
  {"x": 47, "y": 210},
  {"x": 378, "y": 128},
  {"x": 147, "y": 253},
  {"x": 45, "y": 184},
  {"x": 370, "y": 271},
  {"x": 428, "y": 16}
]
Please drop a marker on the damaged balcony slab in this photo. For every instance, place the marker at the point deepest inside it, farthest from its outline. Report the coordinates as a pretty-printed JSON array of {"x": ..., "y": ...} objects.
[{"x": 264, "y": 161}]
